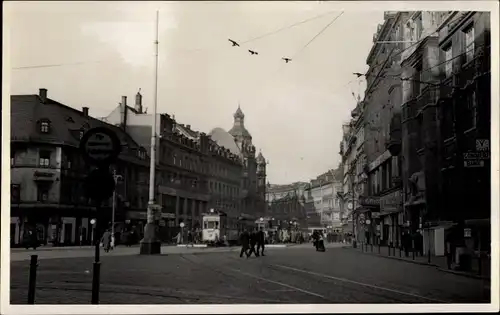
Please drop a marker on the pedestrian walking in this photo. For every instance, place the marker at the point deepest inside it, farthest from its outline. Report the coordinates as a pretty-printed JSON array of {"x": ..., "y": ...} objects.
[
  {"x": 106, "y": 240},
  {"x": 261, "y": 239},
  {"x": 253, "y": 242},
  {"x": 245, "y": 241},
  {"x": 190, "y": 239}
]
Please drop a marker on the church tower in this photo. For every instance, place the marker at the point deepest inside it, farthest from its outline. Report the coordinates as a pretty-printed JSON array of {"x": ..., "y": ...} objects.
[
  {"x": 261, "y": 176},
  {"x": 242, "y": 137}
]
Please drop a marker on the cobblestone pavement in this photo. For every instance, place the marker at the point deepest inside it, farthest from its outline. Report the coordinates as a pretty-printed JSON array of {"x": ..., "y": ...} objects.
[{"x": 292, "y": 275}]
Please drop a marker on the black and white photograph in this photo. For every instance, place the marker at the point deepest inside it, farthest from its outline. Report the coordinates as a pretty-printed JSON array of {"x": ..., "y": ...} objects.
[{"x": 268, "y": 156}]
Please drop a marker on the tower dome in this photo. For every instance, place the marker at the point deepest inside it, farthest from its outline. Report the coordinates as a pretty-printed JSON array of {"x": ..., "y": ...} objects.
[
  {"x": 238, "y": 130},
  {"x": 260, "y": 158}
]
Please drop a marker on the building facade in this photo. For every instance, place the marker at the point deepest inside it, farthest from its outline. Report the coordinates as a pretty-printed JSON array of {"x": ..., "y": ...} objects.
[
  {"x": 253, "y": 176},
  {"x": 48, "y": 171},
  {"x": 286, "y": 203},
  {"x": 195, "y": 173},
  {"x": 354, "y": 179},
  {"x": 382, "y": 200},
  {"x": 324, "y": 191},
  {"x": 446, "y": 119},
  {"x": 463, "y": 132},
  {"x": 199, "y": 171}
]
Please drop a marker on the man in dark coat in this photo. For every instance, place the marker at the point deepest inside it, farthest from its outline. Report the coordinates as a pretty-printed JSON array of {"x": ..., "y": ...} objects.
[
  {"x": 245, "y": 240},
  {"x": 253, "y": 242},
  {"x": 261, "y": 239}
]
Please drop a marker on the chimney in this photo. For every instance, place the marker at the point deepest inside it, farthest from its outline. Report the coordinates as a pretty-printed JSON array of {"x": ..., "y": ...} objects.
[
  {"x": 124, "y": 101},
  {"x": 43, "y": 95},
  {"x": 188, "y": 127},
  {"x": 138, "y": 102},
  {"x": 85, "y": 111}
]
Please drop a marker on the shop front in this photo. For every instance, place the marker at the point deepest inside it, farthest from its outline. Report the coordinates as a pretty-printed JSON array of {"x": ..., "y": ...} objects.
[
  {"x": 391, "y": 214},
  {"x": 371, "y": 208}
]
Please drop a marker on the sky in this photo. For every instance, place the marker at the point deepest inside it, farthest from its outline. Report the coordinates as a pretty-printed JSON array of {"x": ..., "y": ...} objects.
[{"x": 294, "y": 111}]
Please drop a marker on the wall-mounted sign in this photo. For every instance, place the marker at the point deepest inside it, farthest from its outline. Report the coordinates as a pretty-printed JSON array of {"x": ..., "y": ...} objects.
[
  {"x": 392, "y": 201},
  {"x": 368, "y": 201},
  {"x": 482, "y": 145}
]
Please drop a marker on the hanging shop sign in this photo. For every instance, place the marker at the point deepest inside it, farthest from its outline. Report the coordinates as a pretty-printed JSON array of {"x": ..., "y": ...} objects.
[
  {"x": 392, "y": 202},
  {"x": 368, "y": 201}
]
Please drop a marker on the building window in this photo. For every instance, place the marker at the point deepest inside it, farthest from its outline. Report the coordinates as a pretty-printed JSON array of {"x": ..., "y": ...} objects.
[
  {"x": 447, "y": 121},
  {"x": 44, "y": 127},
  {"x": 12, "y": 157},
  {"x": 415, "y": 81},
  {"x": 44, "y": 158},
  {"x": 470, "y": 116},
  {"x": 448, "y": 66},
  {"x": 469, "y": 44},
  {"x": 43, "y": 193},
  {"x": 81, "y": 133},
  {"x": 418, "y": 27}
]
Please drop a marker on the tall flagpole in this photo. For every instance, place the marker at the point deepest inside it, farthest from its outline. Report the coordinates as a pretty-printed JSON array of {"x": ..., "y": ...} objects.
[
  {"x": 153, "y": 123},
  {"x": 150, "y": 244}
]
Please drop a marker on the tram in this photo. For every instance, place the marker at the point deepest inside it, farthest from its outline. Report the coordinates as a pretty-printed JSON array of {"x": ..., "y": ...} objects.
[{"x": 220, "y": 228}]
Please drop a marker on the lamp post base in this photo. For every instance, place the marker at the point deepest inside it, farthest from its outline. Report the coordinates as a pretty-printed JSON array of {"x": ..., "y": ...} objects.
[{"x": 150, "y": 244}]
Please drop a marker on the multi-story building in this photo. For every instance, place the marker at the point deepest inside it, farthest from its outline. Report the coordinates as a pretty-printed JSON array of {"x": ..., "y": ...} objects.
[
  {"x": 462, "y": 136},
  {"x": 195, "y": 173},
  {"x": 324, "y": 193},
  {"x": 353, "y": 160},
  {"x": 446, "y": 117},
  {"x": 48, "y": 171},
  {"x": 382, "y": 200},
  {"x": 253, "y": 177},
  {"x": 287, "y": 203}
]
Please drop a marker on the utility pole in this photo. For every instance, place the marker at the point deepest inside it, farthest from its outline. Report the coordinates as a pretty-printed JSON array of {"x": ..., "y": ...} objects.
[
  {"x": 116, "y": 177},
  {"x": 151, "y": 244}
]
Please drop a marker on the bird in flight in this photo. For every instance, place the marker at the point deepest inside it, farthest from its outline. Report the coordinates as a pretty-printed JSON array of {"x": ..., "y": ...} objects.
[
  {"x": 234, "y": 43},
  {"x": 358, "y": 74},
  {"x": 253, "y": 52},
  {"x": 287, "y": 60}
]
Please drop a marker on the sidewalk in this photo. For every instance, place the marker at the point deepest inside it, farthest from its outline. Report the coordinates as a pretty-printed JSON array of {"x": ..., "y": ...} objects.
[{"x": 436, "y": 261}]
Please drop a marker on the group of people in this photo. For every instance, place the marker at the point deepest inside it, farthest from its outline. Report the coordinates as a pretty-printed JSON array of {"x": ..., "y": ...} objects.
[{"x": 251, "y": 239}]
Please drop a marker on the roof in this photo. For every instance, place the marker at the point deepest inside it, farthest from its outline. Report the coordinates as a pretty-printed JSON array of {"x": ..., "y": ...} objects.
[
  {"x": 238, "y": 128},
  {"x": 260, "y": 158},
  {"x": 65, "y": 123},
  {"x": 224, "y": 139}
]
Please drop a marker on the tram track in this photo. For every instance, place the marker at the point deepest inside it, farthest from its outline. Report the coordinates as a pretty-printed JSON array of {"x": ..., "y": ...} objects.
[{"x": 391, "y": 294}]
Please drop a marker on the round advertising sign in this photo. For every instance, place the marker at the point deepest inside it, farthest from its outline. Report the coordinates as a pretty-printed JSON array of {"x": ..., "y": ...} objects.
[
  {"x": 349, "y": 205},
  {"x": 182, "y": 224},
  {"x": 368, "y": 221},
  {"x": 100, "y": 146}
]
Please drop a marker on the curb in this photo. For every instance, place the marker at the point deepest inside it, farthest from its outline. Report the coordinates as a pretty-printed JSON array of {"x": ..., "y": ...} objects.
[
  {"x": 464, "y": 274},
  {"x": 398, "y": 258},
  {"x": 458, "y": 273},
  {"x": 193, "y": 246}
]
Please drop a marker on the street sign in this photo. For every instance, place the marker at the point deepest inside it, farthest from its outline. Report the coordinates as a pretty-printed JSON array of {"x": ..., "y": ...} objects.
[
  {"x": 99, "y": 185},
  {"x": 473, "y": 163},
  {"x": 182, "y": 225},
  {"x": 162, "y": 223},
  {"x": 368, "y": 221},
  {"x": 100, "y": 146}
]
